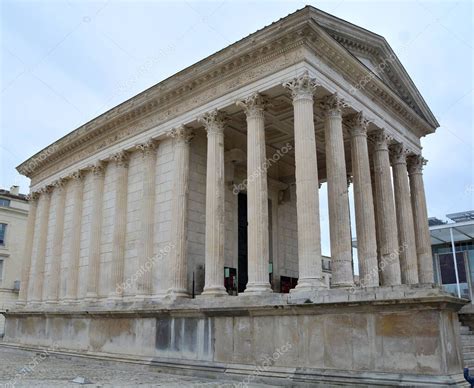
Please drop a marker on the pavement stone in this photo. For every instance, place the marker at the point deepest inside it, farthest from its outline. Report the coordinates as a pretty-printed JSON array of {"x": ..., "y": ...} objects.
[{"x": 36, "y": 369}]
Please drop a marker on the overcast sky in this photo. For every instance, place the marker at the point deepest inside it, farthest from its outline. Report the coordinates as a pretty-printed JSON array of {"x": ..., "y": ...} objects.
[{"x": 65, "y": 62}]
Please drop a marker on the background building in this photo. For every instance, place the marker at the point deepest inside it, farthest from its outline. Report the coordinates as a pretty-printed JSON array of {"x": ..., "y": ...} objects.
[
  {"x": 13, "y": 216},
  {"x": 454, "y": 240}
]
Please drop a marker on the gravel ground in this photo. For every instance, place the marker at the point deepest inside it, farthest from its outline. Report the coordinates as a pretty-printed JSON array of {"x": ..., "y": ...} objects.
[{"x": 34, "y": 369}]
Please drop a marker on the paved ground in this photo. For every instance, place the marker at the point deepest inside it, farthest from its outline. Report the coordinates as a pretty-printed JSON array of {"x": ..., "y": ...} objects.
[{"x": 36, "y": 370}]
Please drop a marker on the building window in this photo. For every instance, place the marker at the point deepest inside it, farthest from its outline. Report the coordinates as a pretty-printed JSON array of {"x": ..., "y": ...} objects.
[
  {"x": 4, "y": 202},
  {"x": 3, "y": 232},
  {"x": 1, "y": 270}
]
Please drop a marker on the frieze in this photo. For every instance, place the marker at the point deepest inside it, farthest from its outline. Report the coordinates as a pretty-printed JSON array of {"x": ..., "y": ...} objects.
[{"x": 157, "y": 118}]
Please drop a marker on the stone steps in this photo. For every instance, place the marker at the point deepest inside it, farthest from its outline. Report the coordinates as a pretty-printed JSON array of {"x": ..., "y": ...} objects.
[{"x": 467, "y": 345}]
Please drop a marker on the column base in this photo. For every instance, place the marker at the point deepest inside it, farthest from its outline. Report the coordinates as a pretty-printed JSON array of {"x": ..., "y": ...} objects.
[
  {"x": 113, "y": 297},
  {"x": 142, "y": 297},
  {"x": 177, "y": 293},
  {"x": 343, "y": 285},
  {"x": 214, "y": 291},
  {"x": 309, "y": 284},
  {"x": 258, "y": 288},
  {"x": 51, "y": 301},
  {"x": 69, "y": 300},
  {"x": 89, "y": 299}
]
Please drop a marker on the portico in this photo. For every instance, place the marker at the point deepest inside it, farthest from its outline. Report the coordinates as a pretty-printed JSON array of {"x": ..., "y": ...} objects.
[{"x": 138, "y": 210}]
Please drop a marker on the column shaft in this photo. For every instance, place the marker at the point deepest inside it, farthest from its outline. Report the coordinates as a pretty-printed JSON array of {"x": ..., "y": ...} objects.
[
  {"x": 386, "y": 217},
  {"x": 120, "y": 224},
  {"x": 93, "y": 272},
  {"x": 75, "y": 244},
  {"x": 307, "y": 185},
  {"x": 178, "y": 255},
  {"x": 257, "y": 197},
  {"x": 147, "y": 220},
  {"x": 55, "y": 269},
  {"x": 363, "y": 203},
  {"x": 215, "y": 205},
  {"x": 43, "y": 227},
  {"x": 406, "y": 230},
  {"x": 339, "y": 222},
  {"x": 28, "y": 250},
  {"x": 420, "y": 220}
]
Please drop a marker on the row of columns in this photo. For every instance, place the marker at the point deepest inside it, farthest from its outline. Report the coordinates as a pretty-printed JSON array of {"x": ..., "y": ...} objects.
[
  {"x": 387, "y": 241},
  {"x": 391, "y": 222},
  {"x": 43, "y": 201}
]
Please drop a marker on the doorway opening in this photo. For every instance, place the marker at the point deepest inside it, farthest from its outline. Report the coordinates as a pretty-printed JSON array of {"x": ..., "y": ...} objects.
[
  {"x": 242, "y": 263},
  {"x": 242, "y": 266}
]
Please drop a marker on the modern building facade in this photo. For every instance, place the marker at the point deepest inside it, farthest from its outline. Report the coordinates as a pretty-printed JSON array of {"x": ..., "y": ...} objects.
[
  {"x": 13, "y": 218},
  {"x": 144, "y": 220},
  {"x": 453, "y": 253}
]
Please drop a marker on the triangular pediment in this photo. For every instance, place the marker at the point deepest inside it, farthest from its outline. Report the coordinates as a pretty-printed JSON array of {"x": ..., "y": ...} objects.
[{"x": 375, "y": 54}]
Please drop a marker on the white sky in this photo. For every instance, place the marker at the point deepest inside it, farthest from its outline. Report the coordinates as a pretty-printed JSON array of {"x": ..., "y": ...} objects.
[{"x": 65, "y": 62}]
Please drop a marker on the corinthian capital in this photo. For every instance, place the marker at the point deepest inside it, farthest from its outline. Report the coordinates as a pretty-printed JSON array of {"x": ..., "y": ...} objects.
[
  {"x": 333, "y": 104},
  {"x": 302, "y": 87},
  {"x": 76, "y": 177},
  {"x": 253, "y": 105},
  {"x": 98, "y": 168},
  {"x": 59, "y": 184},
  {"x": 181, "y": 134},
  {"x": 120, "y": 158},
  {"x": 147, "y": 148},
  {"x": 381, "y": 139},
  {"x": 213, "y": 122},
  {"x": 359, "y": 124},
  {"x": 416, "y": 164},
  {"x": 33, "y": 197},
  {"x": 398, "y": 154},
  {"x": 46, "y": 190}
]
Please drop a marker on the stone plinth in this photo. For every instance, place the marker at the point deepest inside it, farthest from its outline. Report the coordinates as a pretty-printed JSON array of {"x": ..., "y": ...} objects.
[{"x": 390, "y": 335}]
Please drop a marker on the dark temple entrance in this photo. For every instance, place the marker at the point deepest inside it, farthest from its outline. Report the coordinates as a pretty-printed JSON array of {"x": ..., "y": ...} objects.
[{"x": 242, "y": 274}]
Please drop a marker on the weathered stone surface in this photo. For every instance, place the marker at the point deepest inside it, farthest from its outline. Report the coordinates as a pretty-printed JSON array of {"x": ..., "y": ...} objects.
[{"x": 413, "y": 336}]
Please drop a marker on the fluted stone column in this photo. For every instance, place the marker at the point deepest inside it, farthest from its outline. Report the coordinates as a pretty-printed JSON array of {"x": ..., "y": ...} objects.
[
  {"x": 28, "y": 250},
  {"x": 179, "y": 208},
  {"x": 257, "y": 197},
  {"x": 215, "y": 205},
  {"x": 39, "y": 273},
  {"x": 77, "y": 181},
  {"x": 93, "y": 270},
  {"x": 363, "y": 203},
  {"x": 420, "y": 219},
  {"x": 120, "y": 160},
  {"x": 147, "y": 220},
  {"x": 386, "y": 217},
  {"x": 339, "y": 222},
  {"x": 377, "y": 223},
  {"x": 307, "y": 185},
  {"x": 406, "y": 230},
  {"x": 55, "y": 268}
]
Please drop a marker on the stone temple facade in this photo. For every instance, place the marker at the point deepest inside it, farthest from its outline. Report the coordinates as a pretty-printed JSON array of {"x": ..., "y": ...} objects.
[{"x": 214, "y": 174}]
